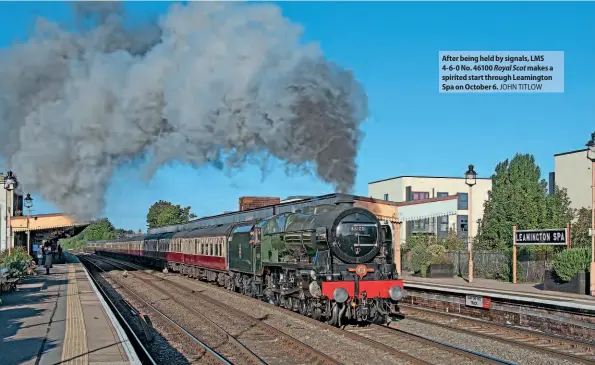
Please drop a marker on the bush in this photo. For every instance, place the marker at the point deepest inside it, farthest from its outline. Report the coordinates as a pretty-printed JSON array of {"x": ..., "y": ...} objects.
[
  {"x": 504, "y": 272},
  {"x": 16, "y": 262},
  {"x": 452, "y": 242},
  {"x": 438, "y": 254},
  {"x": 424, "y": 255},
  {"x": 572, "y": 261},
  {"x": 416, "y": 240},
  {"x": 420, "y": 258}
]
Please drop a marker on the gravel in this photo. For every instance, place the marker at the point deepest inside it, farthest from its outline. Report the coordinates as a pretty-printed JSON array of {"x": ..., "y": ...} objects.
[
  {"x": 501, "y": 350},
  {"x": 167, "y": 346},
  {"x": 344, "y": 349},
  {"x": 187, "y": 309},
  {"x": 349, "y": 351},
  {"x": 171, "y": 345},
  {"x": 497, "y": 349}
]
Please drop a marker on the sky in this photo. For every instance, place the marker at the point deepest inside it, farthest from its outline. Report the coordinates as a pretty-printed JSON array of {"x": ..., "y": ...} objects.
[{"x": 392, "y": 49}]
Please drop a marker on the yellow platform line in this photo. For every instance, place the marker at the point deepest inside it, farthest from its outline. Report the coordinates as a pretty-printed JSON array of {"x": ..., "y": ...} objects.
[{"x": 74, "y": 348}]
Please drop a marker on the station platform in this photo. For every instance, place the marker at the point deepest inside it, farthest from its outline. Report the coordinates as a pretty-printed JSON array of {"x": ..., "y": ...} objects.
[
  {"x": 523, "y": 292},
  {"x": 61, "y": 319}
]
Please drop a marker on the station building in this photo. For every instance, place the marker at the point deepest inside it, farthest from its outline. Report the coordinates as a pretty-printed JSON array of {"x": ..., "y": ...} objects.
[
  {"x": 20, "y": 229},
  {"x": 419, "y": 188},
  {"x": 572, "y": 170}
]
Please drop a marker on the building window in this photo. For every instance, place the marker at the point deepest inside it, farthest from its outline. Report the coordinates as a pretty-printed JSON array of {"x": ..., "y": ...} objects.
[
  {"x": 463, "y": 201},
  {"x": 443, "y": 220},
  {"x": 420, "y": 195},
  {"x": 462, "y": 226},
  {"x": 386, "y": 197},
  {"x": 420, "y": 226}
]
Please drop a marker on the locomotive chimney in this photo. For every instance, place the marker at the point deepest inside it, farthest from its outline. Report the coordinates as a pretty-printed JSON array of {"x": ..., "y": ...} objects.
[{"x": 344, "y": 201}]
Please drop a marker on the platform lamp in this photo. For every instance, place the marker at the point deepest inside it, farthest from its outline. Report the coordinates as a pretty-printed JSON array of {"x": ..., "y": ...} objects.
[
  {"x": 28, "y": 205},
  {"x": 591, "y": 156},
  {"x": 470, "y": 180},
  {"x": 10, "y": 183}
]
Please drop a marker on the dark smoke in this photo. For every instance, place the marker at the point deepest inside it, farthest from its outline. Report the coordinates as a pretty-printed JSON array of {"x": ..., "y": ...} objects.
[{"x": 212, "y": 83}]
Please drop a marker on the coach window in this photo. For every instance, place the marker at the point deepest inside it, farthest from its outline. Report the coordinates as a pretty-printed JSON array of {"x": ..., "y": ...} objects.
[
  {"x": 216, "y": 250},
  {"x": 210, "y": 249}
]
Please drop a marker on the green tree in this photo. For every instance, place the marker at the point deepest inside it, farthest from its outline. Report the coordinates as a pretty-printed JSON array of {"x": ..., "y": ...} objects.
[
  {"x": 580, "y": 228},
  {"x": 101, "y": 229},
  {"x": 519, "y": 197},
  {"x": 119, "y": 232},
  {"x": 558, "y": 212},
  {"x": 164, "y": 213}
]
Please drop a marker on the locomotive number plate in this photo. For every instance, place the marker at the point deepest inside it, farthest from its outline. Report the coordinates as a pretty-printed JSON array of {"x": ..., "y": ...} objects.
[{"x": 478, "y": 301}]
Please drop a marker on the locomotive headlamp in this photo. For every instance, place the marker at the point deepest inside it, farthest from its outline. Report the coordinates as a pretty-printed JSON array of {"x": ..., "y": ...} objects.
[
  {"x": 340, "y": 295},
  {"x": 396, "y": 293}
]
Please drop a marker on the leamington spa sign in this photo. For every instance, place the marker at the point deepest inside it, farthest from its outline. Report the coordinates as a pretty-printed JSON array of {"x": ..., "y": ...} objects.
[{"x": 541, "y": 237}]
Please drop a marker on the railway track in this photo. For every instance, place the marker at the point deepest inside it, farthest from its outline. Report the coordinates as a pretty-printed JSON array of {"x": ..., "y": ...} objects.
[
  {"x": 567, "y": 349},
  {"x": 417, "y": 346},
  {"x": 249, "y": 334},
  {"x": 398, "y": 343},
  {"x": 200, "y": 352}
]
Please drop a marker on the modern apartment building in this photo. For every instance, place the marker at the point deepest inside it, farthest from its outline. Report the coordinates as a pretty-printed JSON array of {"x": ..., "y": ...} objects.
[
  {"x": 573, "y": 172},
  {"x": 411, "y": 188}
]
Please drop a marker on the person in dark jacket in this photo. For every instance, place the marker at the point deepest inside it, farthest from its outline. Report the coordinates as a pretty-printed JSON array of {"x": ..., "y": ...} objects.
[{"x": 49, "y": 255}]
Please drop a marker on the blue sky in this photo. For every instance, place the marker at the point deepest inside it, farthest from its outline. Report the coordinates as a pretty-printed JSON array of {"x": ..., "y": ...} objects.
[{"x": 413, "y": 130}]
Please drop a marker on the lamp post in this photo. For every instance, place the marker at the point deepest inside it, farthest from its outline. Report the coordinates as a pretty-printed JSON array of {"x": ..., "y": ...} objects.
[
  {"x": 470, "y": 180},
  {"x": 10, "y": 183},
  {"x": 591, "y": 156},
  {"x": 28, "y": 205}
]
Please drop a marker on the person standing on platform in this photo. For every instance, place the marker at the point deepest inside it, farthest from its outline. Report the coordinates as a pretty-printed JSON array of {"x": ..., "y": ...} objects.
[
  {"x": 59, "y": 252},
  {"x": 49, "y": 255}
]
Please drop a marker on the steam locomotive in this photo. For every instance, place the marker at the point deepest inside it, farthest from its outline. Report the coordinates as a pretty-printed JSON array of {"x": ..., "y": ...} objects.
[{"x": 331, "y": 262}]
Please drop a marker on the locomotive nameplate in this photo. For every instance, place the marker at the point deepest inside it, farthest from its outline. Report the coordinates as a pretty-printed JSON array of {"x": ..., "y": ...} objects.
[{"x": 478, "y": 301}]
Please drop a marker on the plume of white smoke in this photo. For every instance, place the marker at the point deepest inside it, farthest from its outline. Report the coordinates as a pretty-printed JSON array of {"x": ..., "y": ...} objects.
[{"x": 219, "y": 83}]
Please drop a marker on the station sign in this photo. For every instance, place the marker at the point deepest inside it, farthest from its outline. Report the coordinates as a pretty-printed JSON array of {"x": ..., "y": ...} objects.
[
  {"x": 478, "y": 301},
  {"x": 556, "y": 237}
]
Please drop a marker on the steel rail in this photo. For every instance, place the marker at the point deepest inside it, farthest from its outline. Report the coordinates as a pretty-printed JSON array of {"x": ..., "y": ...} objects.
[
  {"x": 471, "y": 354},
  {"x": 327, "y": 359},
  {"x": 172, "y": 322},
  {"x": 500, "y": 327},
  {"x": 354, "y": 336}
]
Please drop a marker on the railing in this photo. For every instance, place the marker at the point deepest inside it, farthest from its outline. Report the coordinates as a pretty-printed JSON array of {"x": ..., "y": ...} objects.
[{"x": 496, "y": 265}]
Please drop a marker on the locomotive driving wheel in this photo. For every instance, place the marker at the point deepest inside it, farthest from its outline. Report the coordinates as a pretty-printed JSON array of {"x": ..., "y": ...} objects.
[{"x": 303, "y": 307}]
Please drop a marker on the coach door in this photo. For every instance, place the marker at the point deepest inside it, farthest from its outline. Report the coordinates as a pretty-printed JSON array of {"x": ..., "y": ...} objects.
[
  {"x": 255, "y": 235},
  {"x": 241, "y": 251}
]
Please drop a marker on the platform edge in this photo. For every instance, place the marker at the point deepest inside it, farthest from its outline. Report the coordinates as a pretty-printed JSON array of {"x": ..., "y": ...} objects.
[
  {"x": 517, "y": 297},
  {"x": 128, "y": 348}
]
